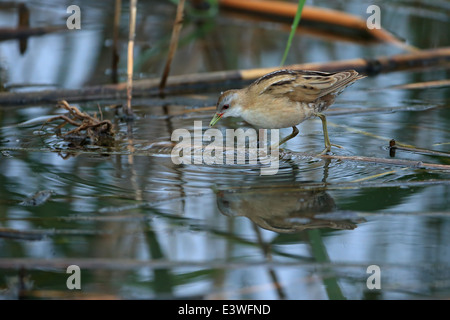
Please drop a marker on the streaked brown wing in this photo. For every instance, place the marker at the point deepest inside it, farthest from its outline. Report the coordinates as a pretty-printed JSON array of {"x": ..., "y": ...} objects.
[
  {"x": 306, "y": 86},
  {"x": 281, "y": 79}
]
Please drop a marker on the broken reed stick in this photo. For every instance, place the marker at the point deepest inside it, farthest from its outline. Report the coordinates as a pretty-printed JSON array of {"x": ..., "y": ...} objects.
[
  {"x": 24, "y": 22},
  {"x": 131, "y": 36},
  {"x": 181, "y": 84},
  {"x": 395, "y": 162},
  {"x": 173, "y": 45},
  {"x": 315, "y": 15},
  {"x": 393, "y": 147}
]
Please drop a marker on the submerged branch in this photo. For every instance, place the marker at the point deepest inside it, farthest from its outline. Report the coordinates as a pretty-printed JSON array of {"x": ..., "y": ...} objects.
[{"x": 168, "y": 148}]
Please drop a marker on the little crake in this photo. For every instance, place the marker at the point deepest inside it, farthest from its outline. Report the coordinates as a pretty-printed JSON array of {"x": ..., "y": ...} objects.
[{"x": 285, "y": 98}]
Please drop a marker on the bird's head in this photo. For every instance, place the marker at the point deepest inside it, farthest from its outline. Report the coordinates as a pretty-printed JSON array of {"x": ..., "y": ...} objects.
[{"x": 227, "y": 106}]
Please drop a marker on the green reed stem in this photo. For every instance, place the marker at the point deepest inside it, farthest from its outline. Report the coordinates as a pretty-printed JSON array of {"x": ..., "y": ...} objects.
[{"x": 298, "y": 15}]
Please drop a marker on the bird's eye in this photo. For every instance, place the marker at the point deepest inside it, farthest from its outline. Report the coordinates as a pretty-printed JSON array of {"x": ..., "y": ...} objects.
[{"x": 225, "y": 106}]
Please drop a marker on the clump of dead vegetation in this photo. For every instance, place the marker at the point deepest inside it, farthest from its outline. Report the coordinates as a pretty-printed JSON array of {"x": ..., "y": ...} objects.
[{"x": 89, "y": 130}]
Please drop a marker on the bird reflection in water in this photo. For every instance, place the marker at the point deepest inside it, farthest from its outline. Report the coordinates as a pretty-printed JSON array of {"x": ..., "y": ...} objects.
[{"x": 283, "y": 210}]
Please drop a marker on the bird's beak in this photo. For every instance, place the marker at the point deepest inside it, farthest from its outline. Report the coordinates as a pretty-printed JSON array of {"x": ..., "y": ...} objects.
[{"x": 216, "y": 118}]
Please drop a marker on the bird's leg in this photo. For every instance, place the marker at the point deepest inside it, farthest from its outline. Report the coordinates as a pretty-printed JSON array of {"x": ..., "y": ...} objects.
[
  {"x": 289, "y": 137},
  {"x": 328, "y": 144}
]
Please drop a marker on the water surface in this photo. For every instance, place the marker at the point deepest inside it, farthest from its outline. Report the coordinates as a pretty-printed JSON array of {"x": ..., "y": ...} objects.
[{"x": 140, "y": 226}]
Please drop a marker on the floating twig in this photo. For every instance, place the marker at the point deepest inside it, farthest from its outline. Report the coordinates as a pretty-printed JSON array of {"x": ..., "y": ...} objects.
[{"x": 99, "y": 131}]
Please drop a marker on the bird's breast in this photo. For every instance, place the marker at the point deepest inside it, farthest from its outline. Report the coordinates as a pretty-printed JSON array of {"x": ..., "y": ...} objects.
[{"x": 278, "y": 115}]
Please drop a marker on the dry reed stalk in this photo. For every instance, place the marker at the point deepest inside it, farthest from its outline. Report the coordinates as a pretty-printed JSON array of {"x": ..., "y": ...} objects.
[
  {"x": 115, "y": 54},
  {"x": 424, "y": 59},
  {"x": 317, "y": 15},
  {"x": 178, "y": 23},
  {"x": 131, "y": 37}
]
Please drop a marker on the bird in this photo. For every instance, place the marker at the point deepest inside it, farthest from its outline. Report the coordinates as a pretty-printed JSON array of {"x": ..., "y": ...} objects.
[
  {"x": 283, "y": 210},
  {"x": 285, "y": 98}
]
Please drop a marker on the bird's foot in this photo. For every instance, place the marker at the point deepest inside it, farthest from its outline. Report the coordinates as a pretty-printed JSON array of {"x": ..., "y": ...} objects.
[
  {"x": 281, "y": 154},
  {"x": 328, "y": 149},
  {"x": 275, "y": 146},
  {"x": 325, "y": 151}
]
